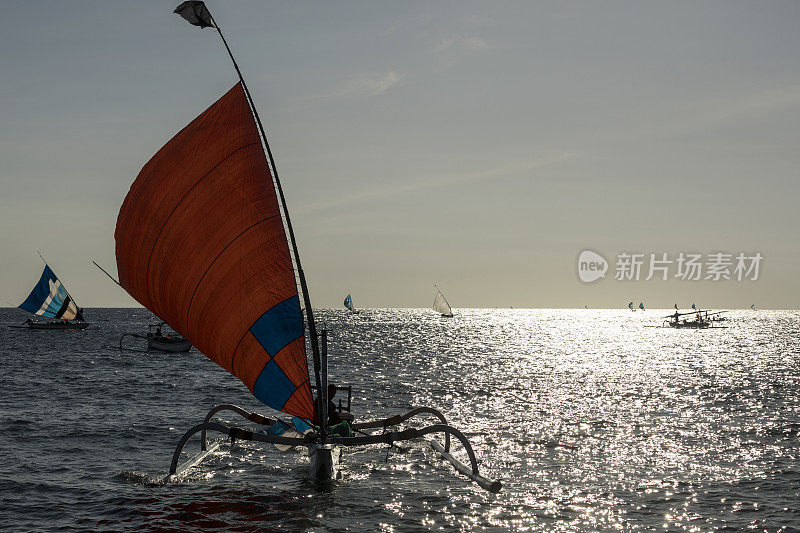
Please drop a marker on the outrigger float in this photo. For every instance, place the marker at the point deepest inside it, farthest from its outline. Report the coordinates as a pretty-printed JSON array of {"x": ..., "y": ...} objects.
[{"x": 204, "y": 240}]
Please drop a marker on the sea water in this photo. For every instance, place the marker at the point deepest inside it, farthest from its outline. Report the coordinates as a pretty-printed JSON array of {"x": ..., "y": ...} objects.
[{"x": 591, "y": 420}]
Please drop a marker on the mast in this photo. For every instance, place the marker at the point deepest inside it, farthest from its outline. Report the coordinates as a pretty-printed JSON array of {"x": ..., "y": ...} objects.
[{"x": 312, "y": 328}]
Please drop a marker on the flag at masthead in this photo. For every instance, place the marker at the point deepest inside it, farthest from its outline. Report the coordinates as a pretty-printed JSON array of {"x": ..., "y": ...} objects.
[{"x": 195, "y": 13}]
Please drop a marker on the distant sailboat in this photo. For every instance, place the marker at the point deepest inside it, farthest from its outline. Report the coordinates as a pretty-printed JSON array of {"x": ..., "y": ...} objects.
[
  {"x": 348, "y": 303},
  {"x": 641, "y": 306},
  {"x": 753, "y": 307},
  {"x": 630, "y": 306},
  {"x": 49, "y": 299},
  {"x": 703, "y": 319},
  {"x": 158, "y": 341},
  {"x": 441, "y": 305}
]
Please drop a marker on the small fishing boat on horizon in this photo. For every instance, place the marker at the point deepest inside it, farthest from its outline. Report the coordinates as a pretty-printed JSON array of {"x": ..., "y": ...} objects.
[
  {"x": 702, "y": 319},
  {"x": 50, "y": 300},
  {"x": 204, "y": 240},
  {"x": 158, "y": 340},
  {"x": 166, "y": 342}
]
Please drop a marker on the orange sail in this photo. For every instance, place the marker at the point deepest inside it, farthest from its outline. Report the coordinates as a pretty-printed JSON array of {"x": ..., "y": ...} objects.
[{"x": 200, "y": 242}]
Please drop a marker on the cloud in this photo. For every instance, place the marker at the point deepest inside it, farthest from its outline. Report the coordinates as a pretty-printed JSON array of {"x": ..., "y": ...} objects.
[
  {"x": 741, "y": 107},
  {"x": 434, "y": 181},
  {"x": 717, "y": 111},
  {"x": 462, "y": 43},
  {"x": 362, "y": 86}
]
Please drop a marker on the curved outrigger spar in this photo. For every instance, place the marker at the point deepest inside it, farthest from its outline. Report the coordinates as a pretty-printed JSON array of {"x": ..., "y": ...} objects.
[{"x": 315, "y": 441}]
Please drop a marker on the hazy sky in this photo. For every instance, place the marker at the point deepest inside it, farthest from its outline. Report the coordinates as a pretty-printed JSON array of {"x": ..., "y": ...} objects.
[{"x": 480, "y": 146}]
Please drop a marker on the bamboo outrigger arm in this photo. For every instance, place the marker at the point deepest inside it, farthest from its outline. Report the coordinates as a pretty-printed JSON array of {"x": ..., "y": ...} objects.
[
  {"x": 129, "y": 335},
  {"x": 234, "y": 433},
  {"x": 252, "y": 417},
  {"x": 381, "y": 423},
  {"x": 399, "y": 419},
  {"x": 470, "y": 471}
]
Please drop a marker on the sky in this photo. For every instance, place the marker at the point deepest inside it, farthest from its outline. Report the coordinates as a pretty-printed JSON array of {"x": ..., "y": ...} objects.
[{"x": 479, "y": 146}]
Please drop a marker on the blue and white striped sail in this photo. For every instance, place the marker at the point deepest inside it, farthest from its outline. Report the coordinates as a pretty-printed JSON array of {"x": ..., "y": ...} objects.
[
  {"x": 50, "y": 299},
  {"x": 348, "y": 303}
]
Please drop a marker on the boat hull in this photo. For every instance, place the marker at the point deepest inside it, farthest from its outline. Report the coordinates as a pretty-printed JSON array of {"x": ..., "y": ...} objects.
[
  {"x": 690, "y": 325},
  {"x": 324, "y": 462},
  {"x": 66, "y": 325},
  {"x": 169, "y": 345}
]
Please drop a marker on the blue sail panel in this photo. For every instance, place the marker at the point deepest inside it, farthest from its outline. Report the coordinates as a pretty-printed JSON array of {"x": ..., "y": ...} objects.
[{"x": 50, "y": 299}]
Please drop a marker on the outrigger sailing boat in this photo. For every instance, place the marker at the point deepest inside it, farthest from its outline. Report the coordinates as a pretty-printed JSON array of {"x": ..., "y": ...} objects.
[
  {"x": 158, "y": 341},
  {"x": 702, "y": 320},
  {"x": 204, "y": 240},
  {"x": 348, "y": 303},
  {"x": 441, "y": 305},
  {"x": 171, "y": 342},
  {"x": 49, "y": 299}
]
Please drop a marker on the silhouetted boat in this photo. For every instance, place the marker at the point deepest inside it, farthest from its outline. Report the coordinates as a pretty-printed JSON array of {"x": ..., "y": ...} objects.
[
  {"x": 441, "y": 305},
  {"x": 52, "y": 306}
]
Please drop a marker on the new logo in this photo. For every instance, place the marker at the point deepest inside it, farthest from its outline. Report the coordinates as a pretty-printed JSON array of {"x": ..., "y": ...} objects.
[{"x": 591, "y": 266}]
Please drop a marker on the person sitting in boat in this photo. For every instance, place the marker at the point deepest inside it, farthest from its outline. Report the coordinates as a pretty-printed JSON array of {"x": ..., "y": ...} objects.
[
  {"x": 338, "y": 422},
  {"x": 334, "y": 415}
]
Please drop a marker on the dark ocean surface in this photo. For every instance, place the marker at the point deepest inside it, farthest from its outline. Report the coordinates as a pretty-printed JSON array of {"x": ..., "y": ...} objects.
[{"x": 591, "y": 420}]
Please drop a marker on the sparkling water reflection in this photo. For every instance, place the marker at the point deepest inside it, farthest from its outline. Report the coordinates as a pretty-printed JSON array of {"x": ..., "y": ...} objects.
[{"x": 592, "y": 421}]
